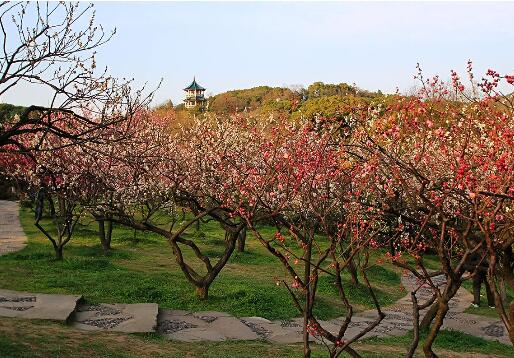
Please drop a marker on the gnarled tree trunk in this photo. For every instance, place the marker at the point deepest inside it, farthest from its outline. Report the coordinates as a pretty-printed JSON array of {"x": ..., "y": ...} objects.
[
  {"x": 105, "y": 234},
  {"x": 241, "y": 240}
]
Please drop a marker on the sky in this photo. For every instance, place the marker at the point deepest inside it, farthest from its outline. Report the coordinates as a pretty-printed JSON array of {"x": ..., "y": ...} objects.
[{"x": 231, "y": 45}]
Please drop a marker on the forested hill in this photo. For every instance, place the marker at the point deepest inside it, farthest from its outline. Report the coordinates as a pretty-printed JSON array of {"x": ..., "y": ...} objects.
[
  {"x": 7, "y": 111},
  {"x": 317, "y": 99}
]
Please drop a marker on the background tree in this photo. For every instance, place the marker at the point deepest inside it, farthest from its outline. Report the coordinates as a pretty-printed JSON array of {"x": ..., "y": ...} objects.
[{"x": 52, "y": 46}]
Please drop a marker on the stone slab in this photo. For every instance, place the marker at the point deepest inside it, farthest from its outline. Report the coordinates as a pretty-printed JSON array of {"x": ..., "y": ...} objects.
[
  {"x": 262, "y": 327},
  {"x": 37, "y": 305},
  {"x": 127, "y": 318},
  {"x": 196, "y": 334},
  {"x": 186, "y": 326},
  {"x": 287, "y": 337},
  {"x": 233, "y": 328},
  {"x": 204, "y": 326}
]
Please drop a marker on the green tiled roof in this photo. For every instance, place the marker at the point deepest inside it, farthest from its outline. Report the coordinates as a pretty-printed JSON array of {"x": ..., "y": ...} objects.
[{"x": 194, "y": 86}]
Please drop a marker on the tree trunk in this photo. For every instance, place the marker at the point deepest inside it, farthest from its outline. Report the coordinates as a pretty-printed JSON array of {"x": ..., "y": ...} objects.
[
  {"x": 202, "y": 292},
  {"x": 105, "y": 235},
  {"x": 438, "y": 322},
  {"x": 101, "y": 231},
  {"x": 429, "y": 317},
  {"x": 307, "y": 311},
  {"x": 241, "y": 240},
  {"x": 109, "y": 231},
  {"x": 106, "y": 245},
  {"x": 415, "y": 325},
  {"x": 58, "y": 252},
  {"x": 353, "y": 272},
  {"x": 51, "y": 206},
  {"x": 511, "y": 322},
  {"x": 503, "y": 292}
]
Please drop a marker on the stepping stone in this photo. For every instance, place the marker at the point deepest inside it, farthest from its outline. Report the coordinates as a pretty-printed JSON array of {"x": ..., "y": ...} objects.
[
  {"x": 37, "y": 305},
  {"x": 287, "y": 337},
  {"x": 207, "y": 326},
  {"x": 128, "y": 318},
  {"x": 194, "y": 335},
  {"x": 209, "y": 316},
  {"x": 172, "y": 321},
  {"x": 287, "y": 331},
  {"x": 186, "y": 326},
  {"x": 232, "y": 328},
  {"x": 262, "y": 327},
  {"x": 480, "y": 326}
]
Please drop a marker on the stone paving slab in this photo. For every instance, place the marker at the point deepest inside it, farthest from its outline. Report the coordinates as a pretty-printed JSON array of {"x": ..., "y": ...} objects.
[
  {"x": 287, "y": 336},
  {"x": 12, "y": 237},
  {"x": 208, "y": 325},
  {"x": 37, "y": 305},
  {"x": 128, "y": 318},
  {"x": 233, "y": 328},
  {"x": 262, "y": 327},
  {"x": 479, "y": 326}
]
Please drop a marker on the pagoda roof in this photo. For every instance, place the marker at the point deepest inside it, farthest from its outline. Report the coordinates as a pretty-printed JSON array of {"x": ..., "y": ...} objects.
[{"x": 194, "y": 86}]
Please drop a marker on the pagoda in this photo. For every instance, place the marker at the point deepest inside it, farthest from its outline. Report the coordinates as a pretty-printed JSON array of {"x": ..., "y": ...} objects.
[{"x": 194, "y": 95}]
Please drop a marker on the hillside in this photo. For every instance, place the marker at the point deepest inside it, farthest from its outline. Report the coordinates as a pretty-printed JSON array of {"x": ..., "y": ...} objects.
[
  {"x": 7, "y": 111},
  {"x": 262, "y": 97},
  {"x": 326, "y": 100}
]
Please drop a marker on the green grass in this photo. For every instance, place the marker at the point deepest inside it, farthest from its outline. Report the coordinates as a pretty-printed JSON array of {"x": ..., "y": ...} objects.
[
  {"x": 450, "y": 340},
  {"x": 483, "y": 311},
  {"x": 143, "y": 269},
  {"x": 24, "y": 339},
  {"x": 27, "y": 339}
]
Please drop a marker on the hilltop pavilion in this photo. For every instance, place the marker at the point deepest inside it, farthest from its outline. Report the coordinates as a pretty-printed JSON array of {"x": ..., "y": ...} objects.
[{"x": 194, "y": 95}]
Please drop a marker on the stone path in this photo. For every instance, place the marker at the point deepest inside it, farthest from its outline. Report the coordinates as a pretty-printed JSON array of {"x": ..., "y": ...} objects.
[
  {"x": 128, "y": 318},
  {"x": 12, "y": 237},
  {"x": 216, "y": 326},
  {"x": 37, "y": 305}
]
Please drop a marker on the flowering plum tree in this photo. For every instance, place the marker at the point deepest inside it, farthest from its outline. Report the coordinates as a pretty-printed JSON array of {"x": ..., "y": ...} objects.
[
  {"x": 300, "y": 181},
  {"x": 53, "y": 46},
  {"x": 441, "y": 164},
  {"x": 72, "y": 174},
  {"x": 157, "y": 170},
  {"x": 57, "y": 176}
]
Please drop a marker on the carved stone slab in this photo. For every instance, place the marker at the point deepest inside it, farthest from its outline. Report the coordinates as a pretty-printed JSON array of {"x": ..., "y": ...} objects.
[
  {"x": 37, "y": 305},
  {"x": 128, "y": 318}
]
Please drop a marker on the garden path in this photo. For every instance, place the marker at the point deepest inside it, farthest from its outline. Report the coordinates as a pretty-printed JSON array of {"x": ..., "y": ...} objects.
[
  {"x": 216, "y": 326},
  {"x": 12, "y": 237}
]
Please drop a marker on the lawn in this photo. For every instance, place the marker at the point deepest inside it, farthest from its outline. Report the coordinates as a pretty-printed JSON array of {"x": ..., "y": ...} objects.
[
  {"x": 27, "y": 339},
  {"x": 141, "y": 268}
]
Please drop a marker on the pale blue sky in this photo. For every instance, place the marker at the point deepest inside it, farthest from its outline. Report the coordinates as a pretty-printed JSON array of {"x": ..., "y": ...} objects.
[{"x": 239, "y": 45}]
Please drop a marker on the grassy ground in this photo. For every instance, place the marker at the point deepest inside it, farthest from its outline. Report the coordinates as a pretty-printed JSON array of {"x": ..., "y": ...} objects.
[
  {"x": 451, "y": 341},
  {"x": 142, "y": 269},
  {"x": 21, "y": 338}
]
